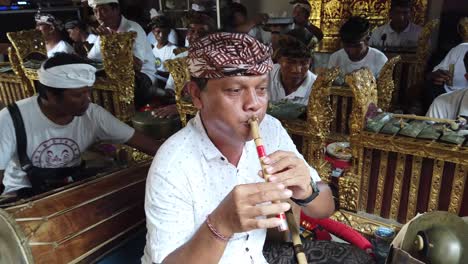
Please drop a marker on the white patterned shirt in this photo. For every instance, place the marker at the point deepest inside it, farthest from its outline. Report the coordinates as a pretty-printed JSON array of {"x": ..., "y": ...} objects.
[
  {"x": 408, "y": 38},
  {"x": 189, "y": 178}
]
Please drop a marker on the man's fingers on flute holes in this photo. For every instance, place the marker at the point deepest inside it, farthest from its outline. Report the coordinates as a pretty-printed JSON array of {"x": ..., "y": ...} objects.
[
  {"x": 276, "y": 156},
  {"x": 268, "y": 196},
  {"x": 271, "y": 209},
  {"x": 271, "y": 222}
]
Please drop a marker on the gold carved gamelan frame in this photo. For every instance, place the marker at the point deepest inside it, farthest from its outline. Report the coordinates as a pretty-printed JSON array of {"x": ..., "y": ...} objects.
[
  {"x": 392, "y": 177},
  {"x": 114, "y": 92},
  {"x": 329, "y": 15}
]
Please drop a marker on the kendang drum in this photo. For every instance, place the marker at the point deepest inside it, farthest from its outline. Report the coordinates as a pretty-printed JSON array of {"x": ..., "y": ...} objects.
[{"x": 75, "y": 224}]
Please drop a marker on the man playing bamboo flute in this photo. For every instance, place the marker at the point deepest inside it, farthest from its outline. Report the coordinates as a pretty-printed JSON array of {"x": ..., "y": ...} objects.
[{"x": 206, "y": 201}]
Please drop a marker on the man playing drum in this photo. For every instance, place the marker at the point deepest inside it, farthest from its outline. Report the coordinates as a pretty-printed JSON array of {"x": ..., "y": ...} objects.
[
  {"x": 206, "y": 201},
  {"x": 59, "y": 124}
]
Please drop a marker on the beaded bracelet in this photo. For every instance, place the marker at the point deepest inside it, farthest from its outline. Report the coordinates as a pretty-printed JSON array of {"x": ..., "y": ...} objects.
[{"x": 215, "y": 232}]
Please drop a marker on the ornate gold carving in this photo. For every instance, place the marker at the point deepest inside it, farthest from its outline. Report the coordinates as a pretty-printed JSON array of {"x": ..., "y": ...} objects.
[
  {"x": 414, "y": 187},
  {"x": 329, "y": 15},
  {"x": 117, "y": 57},
  {"x": 397, "y": 186},
  {"x": 26, "y": 42},
  {"x": 364, "y": 87},
  {"x": 435, "y": 185},
  {"x": 385, "y": 83},
  {"x": 458, "y": 187},
  {"x": 381, "y": 182},
  {"x": 361, "y": 223},
  {"x": 416, "y": 147},
  {"x": 365, "y": 176},
  {"x": 349, "y": 192},
  {"x": 179, "y": 71},
  {"x": 424, "y": 44}
]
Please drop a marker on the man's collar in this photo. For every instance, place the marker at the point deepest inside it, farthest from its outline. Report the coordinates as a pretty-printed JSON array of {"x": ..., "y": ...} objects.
[
  {"x": 391, "y": 30},
  {"x": 123, "y": 21},
  {"x": 210, "y": 151}
]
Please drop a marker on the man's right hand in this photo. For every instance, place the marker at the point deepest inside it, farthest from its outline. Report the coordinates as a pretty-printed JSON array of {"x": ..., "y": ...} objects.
[
  {"x": 238, "y": 211},
  {"x": 166, "y": 111},
  {"x": 440, "y": 77}
]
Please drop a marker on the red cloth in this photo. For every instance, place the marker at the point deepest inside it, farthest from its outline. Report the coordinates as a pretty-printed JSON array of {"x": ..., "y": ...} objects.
[{"x": 340, "y": 230}]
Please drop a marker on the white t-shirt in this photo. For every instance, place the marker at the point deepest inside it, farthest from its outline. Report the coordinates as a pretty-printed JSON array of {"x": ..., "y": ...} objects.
[
  {"x": 62, "y": 46},
  {"x": 374, "y": 60},
  {"x": 455, "y": 56},
  {"x": 91, "y": 39},
  {"x": 276, "y": 91},
  {"x": 189, "y": 178},
  {"x": 50, "y": 145},
  {"x": 258, "y": 33},
  {"x": 163, "y": 54},
  {"x": 408, "y": 38},
  {"x": 172, "y": 38},
  {"x": 450, "y": 105},
  {"x": 141, "y": 47}
]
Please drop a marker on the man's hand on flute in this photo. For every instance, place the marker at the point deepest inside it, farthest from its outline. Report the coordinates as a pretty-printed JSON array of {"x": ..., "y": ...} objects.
[
  {"x": 288, "y": 169},
  {"x": 238, "y": 212}
]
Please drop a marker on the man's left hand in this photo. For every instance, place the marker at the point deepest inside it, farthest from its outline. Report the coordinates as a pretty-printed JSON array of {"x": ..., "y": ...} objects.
[{"x": 287, "y": 168}]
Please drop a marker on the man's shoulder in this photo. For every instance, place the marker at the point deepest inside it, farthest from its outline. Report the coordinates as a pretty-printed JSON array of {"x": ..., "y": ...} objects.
[
  {"x": 377, "y": 53},
  {"x": 337, "y": 55}
]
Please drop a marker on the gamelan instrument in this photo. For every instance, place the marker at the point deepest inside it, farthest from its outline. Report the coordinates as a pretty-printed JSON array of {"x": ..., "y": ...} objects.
[
  {"x": 288, "y": 218},
  {"x": 78, "y": 223}
]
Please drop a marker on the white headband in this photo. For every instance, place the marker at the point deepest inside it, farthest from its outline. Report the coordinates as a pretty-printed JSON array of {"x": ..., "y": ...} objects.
[
  {"x": 69, "y": 76},
  {"x": 94, "y": 3}
]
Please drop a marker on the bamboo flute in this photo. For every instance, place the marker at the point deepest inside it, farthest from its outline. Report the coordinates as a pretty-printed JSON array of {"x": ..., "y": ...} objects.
[{"x": 290, "y": 220}]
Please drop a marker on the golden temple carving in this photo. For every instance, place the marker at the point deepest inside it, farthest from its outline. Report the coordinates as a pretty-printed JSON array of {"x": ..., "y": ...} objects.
[
  {"x": 385, "y": 83},
  {"x": 179, "y": 71},
  {"x": 362, "y": 223},
  {"x": 364, "y": 87},
  {"x": 329, "y": 15}
]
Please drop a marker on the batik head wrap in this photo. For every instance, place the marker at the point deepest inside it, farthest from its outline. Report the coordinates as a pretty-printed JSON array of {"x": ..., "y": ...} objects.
[
  {"x": 44, "y": 18},
  {"x": 301, "y": 3},
  {"x": 228, "y": 54},
  {"x": 94, "y": 3}
]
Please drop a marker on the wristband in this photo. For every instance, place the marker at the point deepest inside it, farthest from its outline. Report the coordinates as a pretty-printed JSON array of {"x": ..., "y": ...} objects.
[
  {"x": 306, "y": 201},
  {"x": 215, "y": 232}
]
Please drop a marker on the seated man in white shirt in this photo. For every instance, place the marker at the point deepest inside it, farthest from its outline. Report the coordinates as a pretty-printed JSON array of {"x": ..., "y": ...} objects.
[
  {"x": 398, "y": 34},
  {"x": 204, "y": 201},
  {"x": 164, "y": 50},
  {"x": 172, "y": 33},
  {"x": 51, "y": 28},
  {"x": 356, "y": 52},
  {"x": 441, "y": 77},
  {"x": 59, "y": 124},
  {"x": 108, "y": 14},
  {"x": 83, "y": 41},
  {"x": 199, "y": 26},
  {"x": 290, "y": 79}
]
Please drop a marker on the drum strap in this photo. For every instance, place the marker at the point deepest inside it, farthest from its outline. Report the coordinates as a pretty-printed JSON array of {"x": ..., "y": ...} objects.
[{"x": 21, "y": 139}]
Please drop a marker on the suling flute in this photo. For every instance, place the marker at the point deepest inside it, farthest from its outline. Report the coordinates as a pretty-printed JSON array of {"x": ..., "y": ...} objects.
[{"x": 296, "y": 239}]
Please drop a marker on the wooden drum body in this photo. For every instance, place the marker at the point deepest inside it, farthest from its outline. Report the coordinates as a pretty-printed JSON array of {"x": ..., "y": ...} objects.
[{"x": 78, "y": 224}]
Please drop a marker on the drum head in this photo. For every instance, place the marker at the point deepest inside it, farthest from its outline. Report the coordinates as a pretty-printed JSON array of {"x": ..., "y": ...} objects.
[{"x": 13, "y": 243}]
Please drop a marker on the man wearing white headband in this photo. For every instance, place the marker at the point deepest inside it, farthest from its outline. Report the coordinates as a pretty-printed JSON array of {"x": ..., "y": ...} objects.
[
  {"x": 51, "y": 28},
  {"x": 60, "y": 123},
  {"x": 108, "y": 14}
]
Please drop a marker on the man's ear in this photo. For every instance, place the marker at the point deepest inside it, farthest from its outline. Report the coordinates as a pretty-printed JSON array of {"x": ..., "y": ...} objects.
[{"x": 195, "y": 93}]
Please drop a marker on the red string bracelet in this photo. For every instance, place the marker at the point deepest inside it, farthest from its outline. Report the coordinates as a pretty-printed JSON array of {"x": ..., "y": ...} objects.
[{"x": 215, "y": 232}]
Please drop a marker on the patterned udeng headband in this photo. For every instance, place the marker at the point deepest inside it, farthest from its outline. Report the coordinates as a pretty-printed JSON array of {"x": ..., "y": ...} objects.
[{"x": 228, "y": 54}]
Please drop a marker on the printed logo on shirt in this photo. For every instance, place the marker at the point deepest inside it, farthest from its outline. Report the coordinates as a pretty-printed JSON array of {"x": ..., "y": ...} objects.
[
  {"x": 158, "y": 63},
  {"x": 56, "y": 153}
]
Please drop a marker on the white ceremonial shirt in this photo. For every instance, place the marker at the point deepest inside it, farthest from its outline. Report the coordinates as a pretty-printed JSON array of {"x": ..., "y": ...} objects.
[
  {"x": 189, "y": 178},
  {"x": 172, "y": 38},
  {"x": 374, "y": 60},
  {"x": 261, "y": 35},
  {"x": 408, "y": 38},
  {"x": 141, "y": 47},
  {"x": 276, "y": 91},
  {"x": 455, "y": 57},
  {"x": 91, "y": 39},
  {"x": 50, "y": 145},
  {"x": 163, "y": 54},
  {"x": 450, "y": 105},
  {"x": 62, "y": 46}
]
